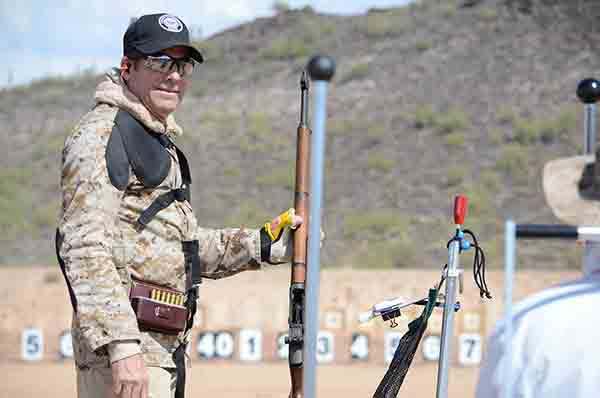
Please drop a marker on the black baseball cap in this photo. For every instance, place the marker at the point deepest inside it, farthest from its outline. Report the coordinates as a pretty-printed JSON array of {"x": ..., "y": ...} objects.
[{"x": 153, "y": 33}]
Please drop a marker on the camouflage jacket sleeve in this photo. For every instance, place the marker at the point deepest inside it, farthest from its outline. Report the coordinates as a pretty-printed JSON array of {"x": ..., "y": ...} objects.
[
  {"x": 88, "y": 230},
  {"x": 225, "y": 252}
]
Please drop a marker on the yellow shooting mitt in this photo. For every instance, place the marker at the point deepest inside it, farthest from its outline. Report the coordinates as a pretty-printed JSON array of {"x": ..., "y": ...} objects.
[{"x": 276, "y": 238}]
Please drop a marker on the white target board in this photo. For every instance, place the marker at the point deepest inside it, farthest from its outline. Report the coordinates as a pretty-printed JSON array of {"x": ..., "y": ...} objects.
[
  {"x": 469, "y": 349},
  {"x": 32, "y": 345},
  {"x": 325, "y": 347},
  {"x": 65, "y": 344},
  {"x": 215, "y": 345},
  {"x": 283, "y": 350},
  {"x": 390, "y": 343},
  {"x": 250, "y": 345},
  {"x": 359, "y": 349},
  {"x": 430, "y": 347}
]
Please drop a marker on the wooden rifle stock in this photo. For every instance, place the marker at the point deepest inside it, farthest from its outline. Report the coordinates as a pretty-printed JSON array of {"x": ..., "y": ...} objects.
[{"x": 298, "y": 278}]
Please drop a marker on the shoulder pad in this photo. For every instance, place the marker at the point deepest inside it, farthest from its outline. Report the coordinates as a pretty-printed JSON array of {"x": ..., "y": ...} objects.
[
  {"x": 144, "y": 150},
  {"x": 117, "y": 162}
]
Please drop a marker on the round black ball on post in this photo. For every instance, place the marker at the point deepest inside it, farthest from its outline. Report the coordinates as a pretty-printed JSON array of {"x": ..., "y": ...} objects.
[
  {"x": 588, "y": 91},
  {"x": 321, "y": 67}
]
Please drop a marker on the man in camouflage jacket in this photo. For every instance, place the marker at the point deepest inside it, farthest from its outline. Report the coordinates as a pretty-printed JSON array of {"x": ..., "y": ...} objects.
[{"x": 119, "y": 162}]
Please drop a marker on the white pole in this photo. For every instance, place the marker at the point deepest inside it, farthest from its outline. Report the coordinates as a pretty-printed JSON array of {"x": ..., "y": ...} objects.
[
  {"x": 509, "y": 272},
  {"x": 321, "y": 70},
  {"x": 448, "y": 319}
]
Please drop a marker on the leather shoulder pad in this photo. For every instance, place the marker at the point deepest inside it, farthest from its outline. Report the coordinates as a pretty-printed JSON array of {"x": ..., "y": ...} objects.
[
  {"x": 117, "y": 162},
  {"x": 145, "y": 152}
]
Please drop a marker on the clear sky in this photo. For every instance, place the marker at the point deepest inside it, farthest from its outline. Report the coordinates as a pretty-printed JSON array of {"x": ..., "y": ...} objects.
[{"x": 60, "y": 37}]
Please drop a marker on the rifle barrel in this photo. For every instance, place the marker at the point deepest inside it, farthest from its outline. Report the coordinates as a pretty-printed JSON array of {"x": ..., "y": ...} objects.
[{"x": 298, "y": 271}]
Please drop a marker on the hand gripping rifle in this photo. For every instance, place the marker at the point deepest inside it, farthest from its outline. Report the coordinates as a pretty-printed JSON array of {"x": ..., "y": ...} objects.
[{"x": 295, "y": 338}]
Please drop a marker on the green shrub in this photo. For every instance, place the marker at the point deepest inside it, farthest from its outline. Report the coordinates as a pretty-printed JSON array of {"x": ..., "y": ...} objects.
[
  {"x": 377, "y": 223},
  {"x": 14, "y": 181},
  {"x": 249, "y": 215},
  {"x": 451, "y": 121},
  {"x": 281, "y": 177},
  {"x": 566, "y": 121},
  {"x": 375, "y": 130},
  {"x": 379, "y": 162},
  {"x": 340, "y": 126},
  {"x": 561, "y": 126},
  {"x": 382, "y": 24},
  {"x": 497, "y": 136},
  {"x": 389, "y": 254},
  {"x": 313, "y": 30},
  {"x": 526, "y": 131},
  {"x": 455, "y": 140},
  {"x": 488, "y": 14},
  {"x": 480, "y": 203},
  {"x": 14, "y": 215},
  {"x": 357, "y": 72},
  {"x": 444, "y": 123},
  {"x": 285, "y": 48},
  {"x": 514, "y": 161},
  {"x": 549, "y": 131},
  {"x": 259, "y": 125},
  {"x": 456, "y": 175},
  {"x": 506, "y": 115},
  {"x": 51, "y": 145},
  {"x": 46, "y": 215},
  {"x": 215, "y": 116},
  {"x": 231, "y": 172},
  {"x": 448, "y": 10},
  {"x": 16, "y": 200},
  {"x": 211, "y": 51},
  {"x": 481, "y": 213},
  {"x": 423, "y": 45},
  {"x": 424, "y": 117},
  {"x": 546, "y": 130},
  {"x": 248, "y": 144},
  {"x": 223, "y": 122},
  {"x": 490, "y": 180},
  {"x": 327, "y": 28}
]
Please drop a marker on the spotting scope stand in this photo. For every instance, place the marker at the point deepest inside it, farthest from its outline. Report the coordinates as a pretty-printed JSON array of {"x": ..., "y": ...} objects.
[
  {"x": 451, "y": 277},
  {"x": 588, "y": 92}
]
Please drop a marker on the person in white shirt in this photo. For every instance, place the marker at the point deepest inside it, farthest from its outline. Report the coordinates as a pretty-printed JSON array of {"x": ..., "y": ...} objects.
[{"x": 555, "y": 333}]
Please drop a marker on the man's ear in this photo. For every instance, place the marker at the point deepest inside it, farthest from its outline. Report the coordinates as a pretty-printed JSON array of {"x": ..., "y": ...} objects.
[{"x": 125, "y": 67}]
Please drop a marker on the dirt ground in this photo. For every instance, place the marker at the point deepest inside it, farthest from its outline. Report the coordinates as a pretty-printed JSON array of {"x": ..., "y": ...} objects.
[{"x": 54, "y": 380}]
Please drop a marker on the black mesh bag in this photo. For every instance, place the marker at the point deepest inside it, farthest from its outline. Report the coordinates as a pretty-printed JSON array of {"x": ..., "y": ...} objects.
[{"x": 405, "y": 352}]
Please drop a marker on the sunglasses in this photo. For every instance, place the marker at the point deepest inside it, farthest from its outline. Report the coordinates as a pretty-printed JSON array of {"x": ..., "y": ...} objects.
[{"x": 163, "y": 63}]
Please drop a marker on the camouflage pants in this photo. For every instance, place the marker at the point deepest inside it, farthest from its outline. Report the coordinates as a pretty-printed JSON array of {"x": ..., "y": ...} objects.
[{"x": 97, "y": 383}]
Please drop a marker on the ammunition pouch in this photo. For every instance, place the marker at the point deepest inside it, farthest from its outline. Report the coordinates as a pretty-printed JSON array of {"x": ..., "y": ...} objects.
[{"x": 157, "y": 308}]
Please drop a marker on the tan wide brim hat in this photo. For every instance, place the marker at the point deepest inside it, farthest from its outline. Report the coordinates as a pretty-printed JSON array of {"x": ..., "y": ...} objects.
[{"x": 561, "y": 179}]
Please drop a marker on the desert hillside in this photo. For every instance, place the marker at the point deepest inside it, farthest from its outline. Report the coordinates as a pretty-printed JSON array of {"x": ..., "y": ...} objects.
[{"x": 429, "y": 100}]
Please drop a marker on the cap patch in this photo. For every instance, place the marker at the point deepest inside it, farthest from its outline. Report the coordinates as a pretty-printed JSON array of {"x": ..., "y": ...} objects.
[{"x": 170, "y": 23}]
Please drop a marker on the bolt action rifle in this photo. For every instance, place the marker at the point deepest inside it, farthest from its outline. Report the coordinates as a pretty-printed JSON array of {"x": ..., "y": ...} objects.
[{"x": 295, "y": 339}]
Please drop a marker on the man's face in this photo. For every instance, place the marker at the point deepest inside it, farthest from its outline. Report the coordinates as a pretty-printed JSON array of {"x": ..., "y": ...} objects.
[{"x": 160, "y": 92}]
